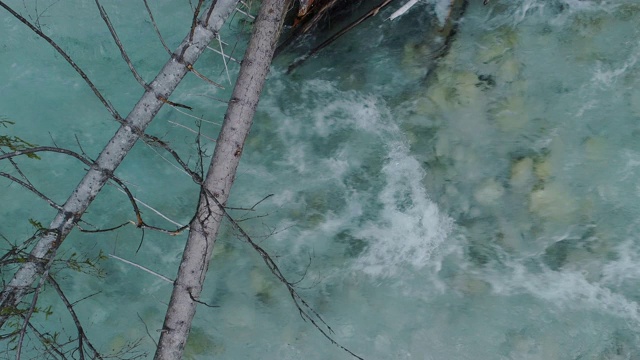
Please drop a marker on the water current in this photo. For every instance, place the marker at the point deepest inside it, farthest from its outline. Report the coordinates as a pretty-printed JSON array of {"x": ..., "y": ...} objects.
[{"x": 481, "y": 205}]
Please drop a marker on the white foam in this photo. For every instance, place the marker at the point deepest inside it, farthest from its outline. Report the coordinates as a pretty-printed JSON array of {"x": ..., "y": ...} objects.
[
  {"x": 566, "y": 290},
  {"x": 404, "y": 227},
  {"x": 605, "y": 76},
  {"x": 410, "y": 227}
]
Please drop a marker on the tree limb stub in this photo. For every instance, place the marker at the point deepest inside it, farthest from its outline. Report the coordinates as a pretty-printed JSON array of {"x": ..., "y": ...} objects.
[
  {"x": 113, "y": 154},
  {"x": 219, "y": 179}
]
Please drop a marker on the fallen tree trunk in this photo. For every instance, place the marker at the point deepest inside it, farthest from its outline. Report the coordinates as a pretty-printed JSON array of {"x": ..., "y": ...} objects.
[
  {"x": 132, "y": 128},
  {"x": 217, "y": 184}
]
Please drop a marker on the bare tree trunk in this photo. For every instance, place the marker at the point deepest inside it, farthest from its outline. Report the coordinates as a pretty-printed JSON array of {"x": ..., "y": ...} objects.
[
  {"x": 219, "y": 179},
  {"x": 114, "y": 152}
]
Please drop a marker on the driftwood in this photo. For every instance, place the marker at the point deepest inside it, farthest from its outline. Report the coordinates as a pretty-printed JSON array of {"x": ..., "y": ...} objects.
[
  {"x": 306, "y": 20},
  {"x": 220, "y": 176},
  {"x": 309, "y": 18},
  {"x": 344, "y": 30},
  {"x": 132, "y": 128}
]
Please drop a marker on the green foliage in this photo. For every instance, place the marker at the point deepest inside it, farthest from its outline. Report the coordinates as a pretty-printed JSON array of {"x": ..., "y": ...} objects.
[
  {"x": 81, "y": 264},
  {"x": 36, "y": 224},
  {"x": 15, "y": 311},
  {"x": 14, "y": 143}
]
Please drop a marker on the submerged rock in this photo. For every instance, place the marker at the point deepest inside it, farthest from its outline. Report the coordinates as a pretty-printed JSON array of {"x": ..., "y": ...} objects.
[
  {"x": 261, "y": 285},
  {"x": 510, "y": 114},
  {"x": 553, "y": 201},
  {"x": 542, "y": 168},
  {"x": 521, "y": 174},
  {"x": 595, "y": 148},
  {"x": 470, "y": 285},
  {"x": 509, "y": 71},
  {"x": 495, "y": 44},
  {"x": 199, "y": 343},
  {"x": 489, "y": 192}
]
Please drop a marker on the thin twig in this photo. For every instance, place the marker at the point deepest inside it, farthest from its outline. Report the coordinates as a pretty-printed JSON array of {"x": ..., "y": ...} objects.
[
  {"x": 224, "y": 55},
  {"x": 154, "y": 210},
  {"x": 38, "y": 149},
  {"x": 155, "y": 27},
  {"x": 224, "y": 60},
  {"x": 306, "y": 312},
  {"x": 202, "y": 77},
  {"x": 155, "y": 141},
  {"x": 142, "y": 268},
  {"x": 104, "y": 230},
  {"x": 197, "y": 118},
  {"x": 211, "y": 97},
  {"x": 167, "y": 160},
  {"x": 125, "y": 56},
  {"x": 147, "y": 330},
  {"x": 84, "y": 76},
  {"x": 191, "y": 130},
  {"x": 81, "y": 334},
  {"x": 32, "y": 189},
  {"x": 251, "y": 208},
  {"x": 202, "y": 302},
  {"x": 86, "y": 297},
  {"x": 48, "y": 343},
  {"x": 246, "y": 14},
  {"x": 194, "y": 22},
  {"x": 27, "y": 317},
  {"x": 174, "y": 104},
  {"x": 15, "y": 166}
]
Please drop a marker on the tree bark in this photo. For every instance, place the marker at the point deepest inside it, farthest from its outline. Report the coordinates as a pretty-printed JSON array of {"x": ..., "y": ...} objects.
[
  {"x": 219, "y": 179},
  {"x": 113, "y": 153}
]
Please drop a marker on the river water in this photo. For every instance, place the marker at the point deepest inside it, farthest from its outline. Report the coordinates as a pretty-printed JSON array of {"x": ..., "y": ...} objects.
[{"x": 478, "y": 205}]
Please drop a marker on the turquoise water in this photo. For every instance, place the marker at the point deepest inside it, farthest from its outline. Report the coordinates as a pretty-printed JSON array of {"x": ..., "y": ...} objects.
[{"x": 480, "y": 206}]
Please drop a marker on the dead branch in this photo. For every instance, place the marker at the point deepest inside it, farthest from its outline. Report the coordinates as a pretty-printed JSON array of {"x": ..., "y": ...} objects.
[
  {"x": 31, "y": 188},
  {"x": 195, "y": 19},
  {"x": 49, "y": 344},
  {"x": 155, "y": 27},
  {"x": 82, "y": 337},
  {"x": 113, "y": 153},
  {"x": 37, "y": 149},
  {"x": 123, "y": 53},
  {"x": 142, "y": 268},
  {"x": 306, "y": 312},
  {"x": 204, "y": 226},
  {"x": 84, "y": 76},
  {"x": 202, "y": 77},
  {"x": 344, "y": 30},
  {"x": 27, "y": 316},
  {"x": 251, "y": 208}
]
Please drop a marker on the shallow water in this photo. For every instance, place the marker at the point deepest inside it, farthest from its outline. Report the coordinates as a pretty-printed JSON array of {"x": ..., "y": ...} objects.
[{"x": 480, "y": 206}]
